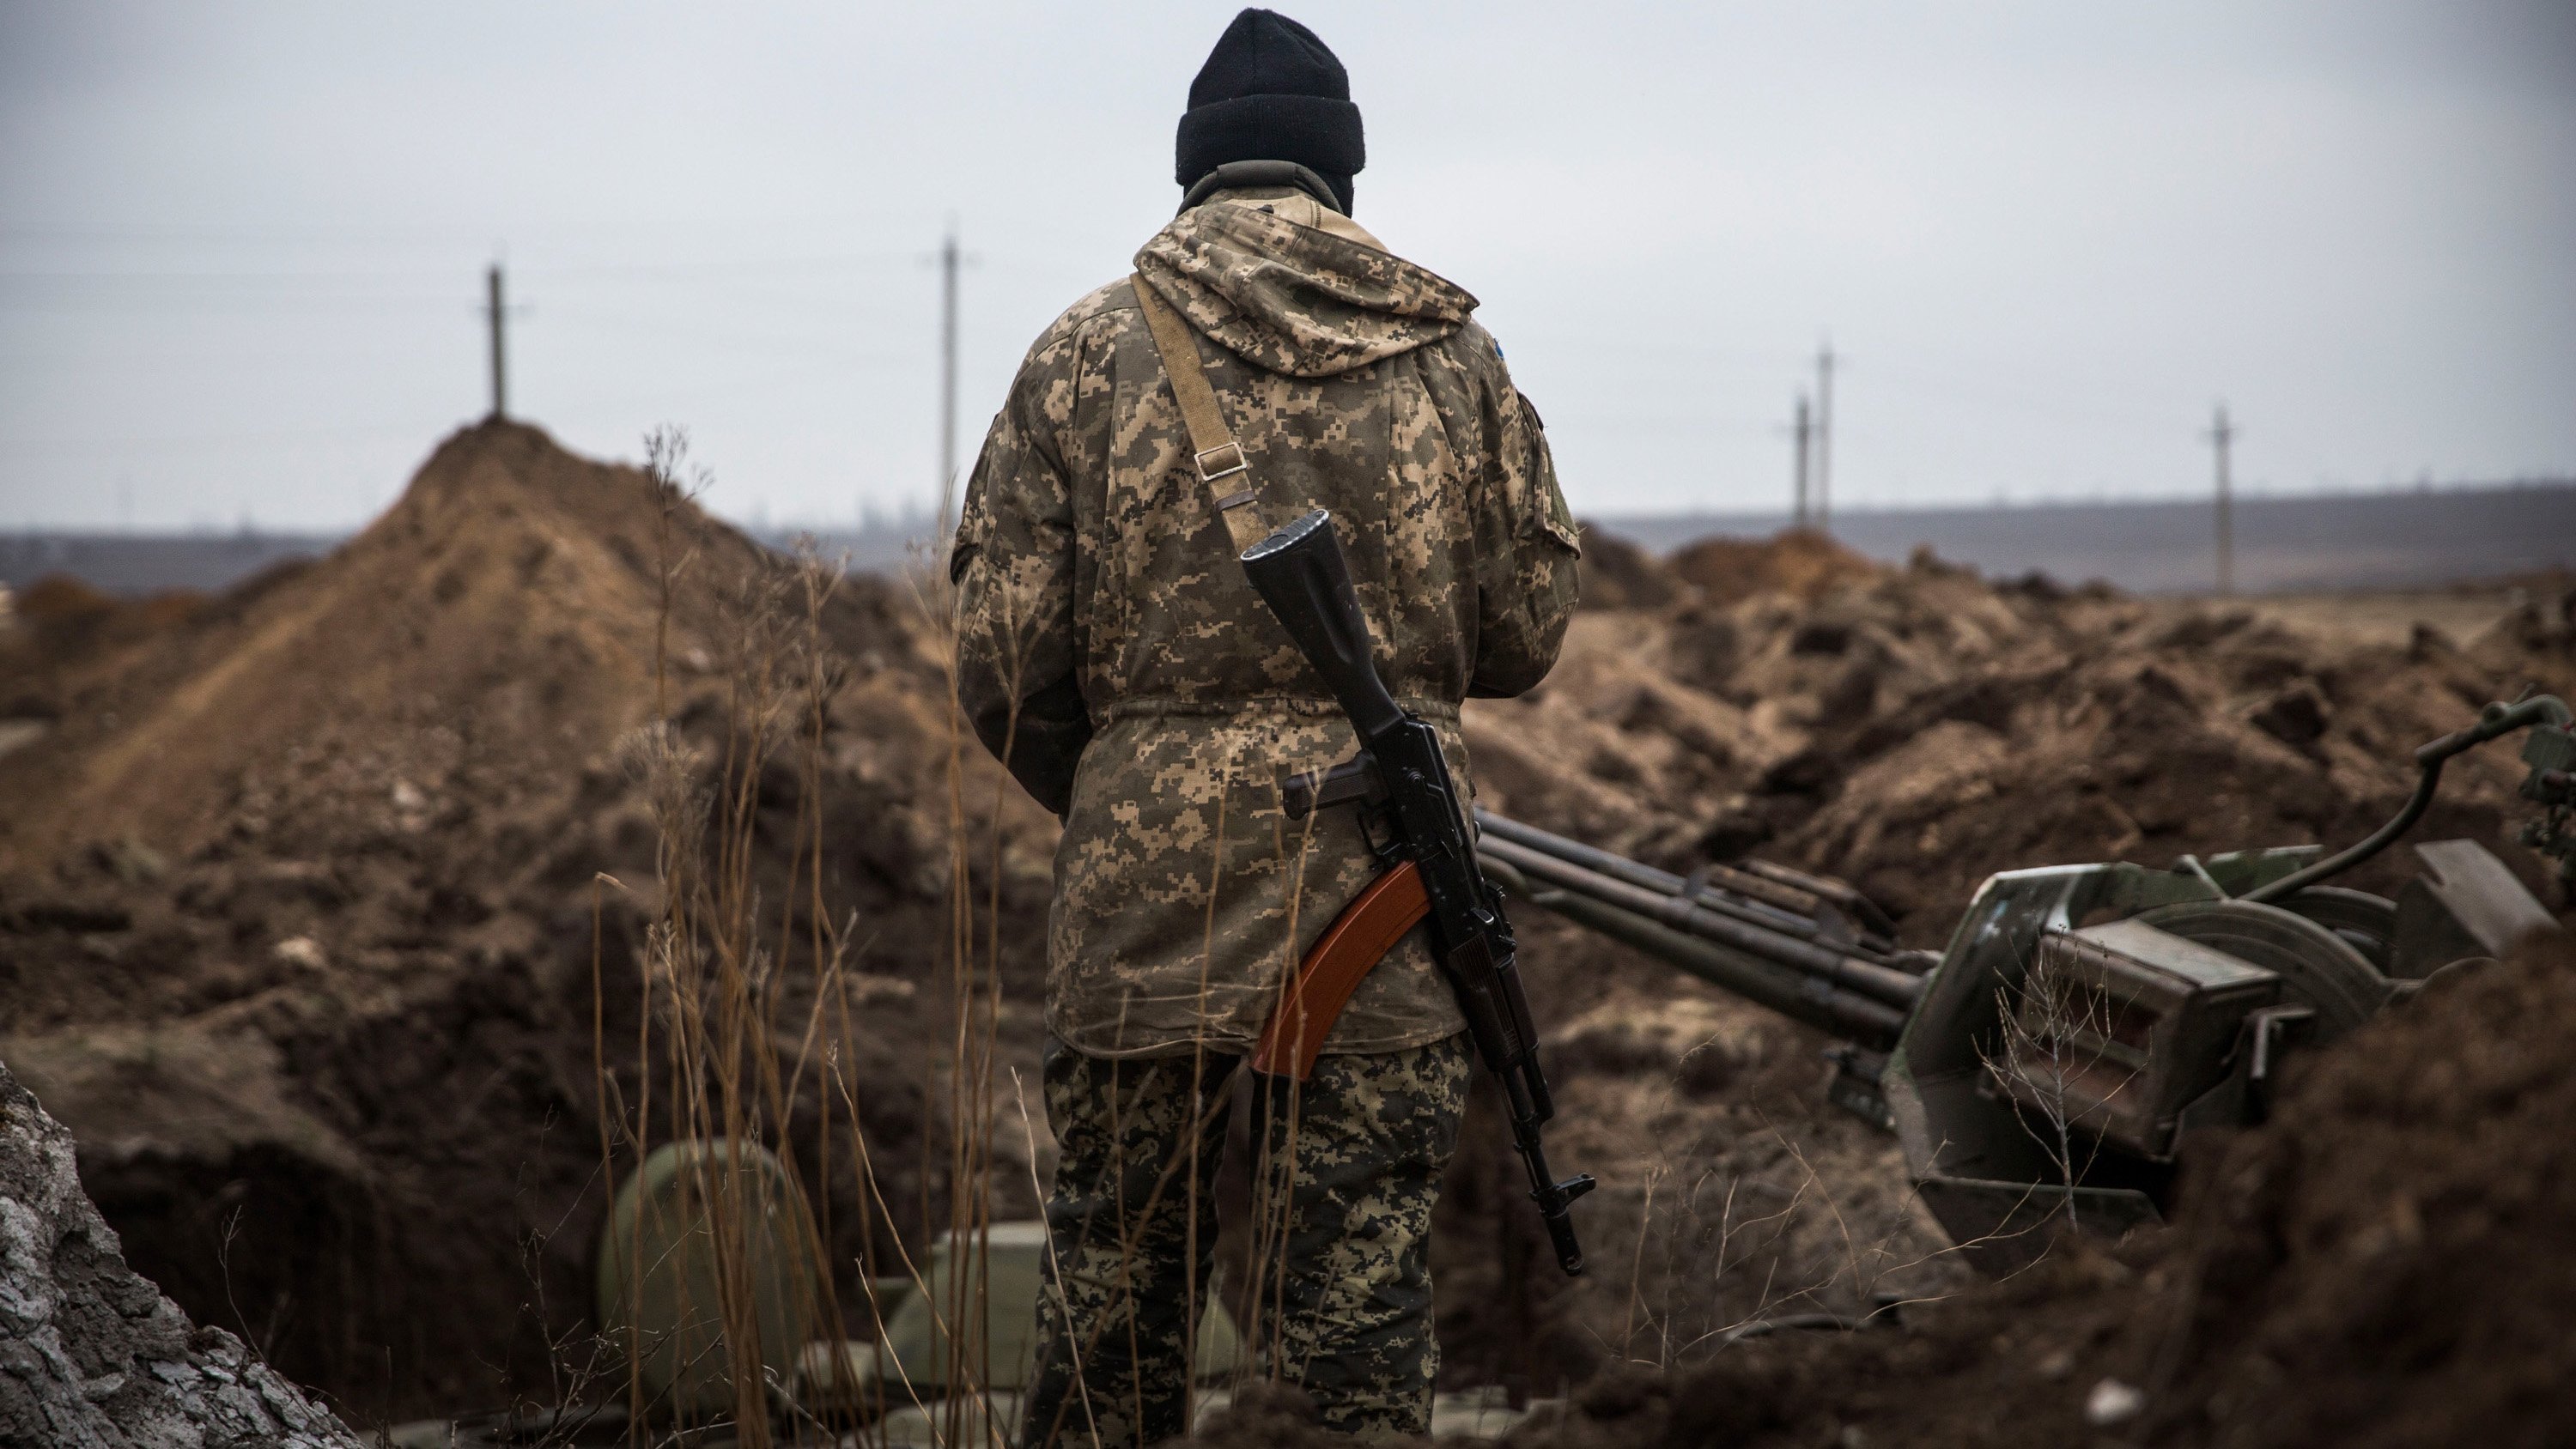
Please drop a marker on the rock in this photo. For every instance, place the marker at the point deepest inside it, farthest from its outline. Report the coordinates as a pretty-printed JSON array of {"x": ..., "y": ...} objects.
[
  {"x": 2112, "y": 1402},
  {"x": 91, "y": 1354}
]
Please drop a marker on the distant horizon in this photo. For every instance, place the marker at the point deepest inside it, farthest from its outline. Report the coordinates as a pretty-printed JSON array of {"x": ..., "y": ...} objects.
[
  {"x": 906, "y": 517},
  {"x": 2285, "y": 542}
]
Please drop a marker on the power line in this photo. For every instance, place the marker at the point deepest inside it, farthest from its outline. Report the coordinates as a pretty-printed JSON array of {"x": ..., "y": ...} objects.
[
  {"x": 864, "y": 261},
  {"x": 755, "y": 384},
  {"x": 294, "y": 436},
  {"x": 826, "y": 348},
  {"x": 1956, "y": 382},
  {"x": 176, "y": 304},
  {"x": 840, "y": 261},
  {"x": 402, "y": 234}
]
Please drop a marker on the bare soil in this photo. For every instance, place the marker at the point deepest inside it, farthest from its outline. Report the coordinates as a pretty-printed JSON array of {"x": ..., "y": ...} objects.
[
  {"x": 2386, "y": 1263},
  {"x": 1914, "y": 731},
  {"x": 302, "y": 897}
]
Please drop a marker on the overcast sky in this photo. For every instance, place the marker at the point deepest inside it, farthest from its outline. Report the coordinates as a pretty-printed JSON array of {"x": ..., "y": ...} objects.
[{"x": 241, "y": 245}]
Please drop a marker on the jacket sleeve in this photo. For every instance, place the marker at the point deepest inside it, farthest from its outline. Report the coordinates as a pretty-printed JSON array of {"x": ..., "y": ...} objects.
[
  {"x": 1526, "y": 567},
  {"x": 1013, "y": 567}
]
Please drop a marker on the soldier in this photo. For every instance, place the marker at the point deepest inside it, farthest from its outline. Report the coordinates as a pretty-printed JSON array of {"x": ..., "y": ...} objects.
[{"x": 1112, "y": 654}]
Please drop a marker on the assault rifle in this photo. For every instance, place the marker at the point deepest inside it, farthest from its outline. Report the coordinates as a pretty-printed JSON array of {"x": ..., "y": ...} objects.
[{"x": 1401, "y": 781}]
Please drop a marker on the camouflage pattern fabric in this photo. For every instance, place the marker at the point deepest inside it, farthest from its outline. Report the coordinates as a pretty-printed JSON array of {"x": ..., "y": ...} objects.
[
  {"x": 1132, "y": 1228},
  {"x": 1348, "y": 1166},
  {"x": 1112, "y": 653}
]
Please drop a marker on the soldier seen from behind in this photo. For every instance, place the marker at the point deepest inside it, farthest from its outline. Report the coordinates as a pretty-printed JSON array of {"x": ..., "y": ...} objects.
[{"x": 1113, "y": 655}]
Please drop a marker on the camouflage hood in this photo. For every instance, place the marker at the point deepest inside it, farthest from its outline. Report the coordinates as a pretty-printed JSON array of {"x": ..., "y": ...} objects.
[{"x": 1296, "y": 299}]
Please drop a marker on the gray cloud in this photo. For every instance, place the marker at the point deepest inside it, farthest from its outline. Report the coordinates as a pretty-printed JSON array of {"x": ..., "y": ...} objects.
[{"x": 240, "y": 246}]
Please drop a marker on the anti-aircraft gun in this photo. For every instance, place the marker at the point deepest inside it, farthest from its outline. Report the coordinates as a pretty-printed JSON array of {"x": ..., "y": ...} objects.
[
  {"x": 2081, "y": 1021},
  {"x": 2083, "y": 1018}
]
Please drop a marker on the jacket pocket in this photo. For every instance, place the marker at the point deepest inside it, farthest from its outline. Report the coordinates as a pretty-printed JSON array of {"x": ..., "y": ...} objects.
[{"x": 1541, "y": 503}]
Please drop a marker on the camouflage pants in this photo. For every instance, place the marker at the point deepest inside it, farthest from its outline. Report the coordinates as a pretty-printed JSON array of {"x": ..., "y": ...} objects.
[{"x": 1348, "y": 1165}]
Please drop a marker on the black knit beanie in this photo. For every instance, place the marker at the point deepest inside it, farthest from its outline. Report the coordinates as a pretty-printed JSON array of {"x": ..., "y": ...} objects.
[{"x": 1271, "y": 91}]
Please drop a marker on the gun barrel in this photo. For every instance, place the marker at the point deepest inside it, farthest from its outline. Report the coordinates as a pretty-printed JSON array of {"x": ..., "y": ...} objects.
[
  {"x": 1765, "y": 903},
  {"x": 1767, "y": 983},
  {"x": 1690, "y": 917},
  {"x": 1774, "y": 901}
]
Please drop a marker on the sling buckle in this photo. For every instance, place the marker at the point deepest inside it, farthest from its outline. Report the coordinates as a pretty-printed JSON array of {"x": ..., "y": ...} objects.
[{"x": 1229, "y": 449}]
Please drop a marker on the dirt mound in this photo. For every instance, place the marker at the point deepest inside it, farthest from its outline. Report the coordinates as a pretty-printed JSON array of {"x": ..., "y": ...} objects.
[
  {"x": 511, "y": 591},
  {"x": 60, "y": 596},
  {"x": 298, "y": 908},
  {"x": 1913, "y": 730},
  {"x": 2386, "y": 1263},
  {"x": 1801, "y": 563},
  {"x": 1618, "y": 574},
  {"x": 2400, "y": 1244},
  {"x": 1916, "y": 729},
  {"x": 60, "y": 637}
]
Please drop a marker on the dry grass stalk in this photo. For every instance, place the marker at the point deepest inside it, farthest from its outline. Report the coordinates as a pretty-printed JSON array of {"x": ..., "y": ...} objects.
[
  {"x": 717, "y": 974},
  {"x": 721, "y": 975},
  {"x": 2049, "y": 1037}
]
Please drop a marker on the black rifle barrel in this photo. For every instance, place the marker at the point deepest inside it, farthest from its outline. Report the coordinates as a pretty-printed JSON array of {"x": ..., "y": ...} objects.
[{"x": 1886, "y": 984}]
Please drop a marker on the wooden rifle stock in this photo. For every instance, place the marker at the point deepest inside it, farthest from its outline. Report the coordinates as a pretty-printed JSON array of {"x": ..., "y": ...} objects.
[{"x": 1333, "y": 968}]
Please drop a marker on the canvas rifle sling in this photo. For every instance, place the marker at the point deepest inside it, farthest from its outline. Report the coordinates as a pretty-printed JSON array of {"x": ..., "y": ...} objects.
[
  {"x": 1371, "y": 925},
  {"x": 1220, "y": 461}
]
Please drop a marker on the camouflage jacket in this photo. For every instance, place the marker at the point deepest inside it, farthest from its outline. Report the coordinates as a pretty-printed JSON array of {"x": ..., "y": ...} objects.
[{"x": 1112, "y": 653}]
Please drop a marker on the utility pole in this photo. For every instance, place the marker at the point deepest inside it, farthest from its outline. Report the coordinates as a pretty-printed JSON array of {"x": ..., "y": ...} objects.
[
  {"x": 947, "y": 374},
  {"x": 1802, "y": 431},
  {"x": 1825, "y": 437},
  {"x": 495, "y": 315},
  {"x": 2222, "y": 435}
]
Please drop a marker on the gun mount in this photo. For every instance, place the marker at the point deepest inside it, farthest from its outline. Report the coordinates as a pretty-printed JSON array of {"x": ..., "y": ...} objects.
[{"x": 2083, "y": 1018}]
